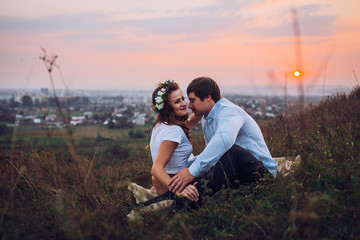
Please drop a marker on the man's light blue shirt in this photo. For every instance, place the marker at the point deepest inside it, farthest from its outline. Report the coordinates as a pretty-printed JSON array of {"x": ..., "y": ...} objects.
[{"x": 226, "y": 125}]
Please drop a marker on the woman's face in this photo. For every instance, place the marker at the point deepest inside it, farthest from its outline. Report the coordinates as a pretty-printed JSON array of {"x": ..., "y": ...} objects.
[{"x": 177, "y": 102}]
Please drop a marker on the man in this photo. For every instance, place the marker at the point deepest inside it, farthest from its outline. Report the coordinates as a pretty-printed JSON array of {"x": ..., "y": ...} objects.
[{"x": 235, "y": 151}]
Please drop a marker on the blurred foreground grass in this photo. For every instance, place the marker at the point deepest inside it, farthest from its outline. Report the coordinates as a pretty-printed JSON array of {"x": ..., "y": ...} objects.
[{"x": 46, "y": 193}]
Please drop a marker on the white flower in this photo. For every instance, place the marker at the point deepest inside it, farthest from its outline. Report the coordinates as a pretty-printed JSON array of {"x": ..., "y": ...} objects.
[
  {"x": 159, "y": 93},
  {"x": 158, "y": 99},
  {"x": 159, "y": 106}
]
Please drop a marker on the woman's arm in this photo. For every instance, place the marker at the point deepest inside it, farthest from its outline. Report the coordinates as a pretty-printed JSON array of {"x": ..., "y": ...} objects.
[
  {"x": 161, "y": 178},
  {"x": 158, "y": 186},
  {"x": 158, "y": 168}
]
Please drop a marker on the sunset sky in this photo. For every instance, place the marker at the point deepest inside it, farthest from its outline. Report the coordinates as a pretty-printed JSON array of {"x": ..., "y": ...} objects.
[{"x": 115, "y": 44}]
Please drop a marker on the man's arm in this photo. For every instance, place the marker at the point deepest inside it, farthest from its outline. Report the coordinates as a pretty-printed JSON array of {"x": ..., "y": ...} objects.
[{"x": 229, "y": 125}]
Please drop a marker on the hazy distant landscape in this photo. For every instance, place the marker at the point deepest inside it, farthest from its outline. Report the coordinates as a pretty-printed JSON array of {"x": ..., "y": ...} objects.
[
  {"x": 262, "y": 90},
  {"x": 69, "y": 181}
]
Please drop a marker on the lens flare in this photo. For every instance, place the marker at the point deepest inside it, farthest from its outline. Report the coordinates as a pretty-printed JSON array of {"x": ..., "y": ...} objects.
[{"x": 296, "y": 73}]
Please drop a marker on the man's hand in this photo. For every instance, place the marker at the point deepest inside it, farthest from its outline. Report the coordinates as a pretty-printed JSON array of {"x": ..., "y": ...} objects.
[{"x": 180, "y": 180}]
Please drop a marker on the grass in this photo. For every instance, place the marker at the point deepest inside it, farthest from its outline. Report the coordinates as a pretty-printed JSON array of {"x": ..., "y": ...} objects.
[{"x": 48, "y": 194}]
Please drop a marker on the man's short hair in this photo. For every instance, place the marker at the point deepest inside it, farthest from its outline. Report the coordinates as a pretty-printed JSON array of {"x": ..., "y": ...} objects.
[{"x": 203, "y": 87}]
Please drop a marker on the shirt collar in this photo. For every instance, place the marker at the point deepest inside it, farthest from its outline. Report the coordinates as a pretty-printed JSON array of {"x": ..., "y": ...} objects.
[{"x": 211, "y": 114}]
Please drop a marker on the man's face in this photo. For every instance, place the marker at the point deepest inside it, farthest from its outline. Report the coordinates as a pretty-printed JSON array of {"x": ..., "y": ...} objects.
[{"x": 198, "y": 107}]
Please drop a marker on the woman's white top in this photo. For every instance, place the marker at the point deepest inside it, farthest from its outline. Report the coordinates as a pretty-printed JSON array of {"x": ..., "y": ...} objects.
[{"x": 183, "y": 151}]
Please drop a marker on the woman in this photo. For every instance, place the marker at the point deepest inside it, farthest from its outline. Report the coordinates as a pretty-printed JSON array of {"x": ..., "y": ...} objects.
[{"x": 170, "y": 138}]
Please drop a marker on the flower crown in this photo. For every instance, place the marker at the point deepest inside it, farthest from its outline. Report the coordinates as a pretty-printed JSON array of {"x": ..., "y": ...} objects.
[{"x": 160, "y": 96}]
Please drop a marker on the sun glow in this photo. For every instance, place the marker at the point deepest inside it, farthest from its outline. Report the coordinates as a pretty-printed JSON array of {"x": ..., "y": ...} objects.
[{"x": 297, "y": 73}]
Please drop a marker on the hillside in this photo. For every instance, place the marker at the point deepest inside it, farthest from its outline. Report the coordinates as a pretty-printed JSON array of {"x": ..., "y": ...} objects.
[{"x": 48, "y": 194}]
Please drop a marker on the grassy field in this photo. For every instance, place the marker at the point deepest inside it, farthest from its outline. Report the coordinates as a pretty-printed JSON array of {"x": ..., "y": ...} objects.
[{"x": 53, "y": 190}]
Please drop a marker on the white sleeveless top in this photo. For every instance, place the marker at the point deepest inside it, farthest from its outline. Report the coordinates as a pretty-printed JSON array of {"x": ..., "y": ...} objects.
[{"x": 183, "y": 151}]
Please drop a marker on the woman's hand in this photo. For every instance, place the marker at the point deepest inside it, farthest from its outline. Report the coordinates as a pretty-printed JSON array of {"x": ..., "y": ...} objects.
[
  {"x": 190, "y": 192},
  {"x": 193, "y": 120}
]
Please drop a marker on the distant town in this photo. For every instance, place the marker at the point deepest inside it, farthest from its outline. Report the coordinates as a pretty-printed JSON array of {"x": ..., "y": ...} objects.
[{"x": 114, "y": 108}]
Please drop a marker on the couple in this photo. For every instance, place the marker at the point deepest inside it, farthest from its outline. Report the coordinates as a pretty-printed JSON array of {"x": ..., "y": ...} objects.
[{"x": 235, "y": 151}]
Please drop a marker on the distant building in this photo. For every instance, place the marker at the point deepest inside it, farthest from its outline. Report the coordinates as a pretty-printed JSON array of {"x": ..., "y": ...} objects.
[
  {"x": 6, "y": 97},
  {"x": 88, "y": 115},
  {"x": 38, "y": 121},
  {"x": 269, "y": 115},
  {"x": 106, "y": 122},
  {"x": 44, "y": 91},
  {"x": 77, "y": 120},
  {"x": 51, "y": 118},
  {"x": 139, "y": 119}
]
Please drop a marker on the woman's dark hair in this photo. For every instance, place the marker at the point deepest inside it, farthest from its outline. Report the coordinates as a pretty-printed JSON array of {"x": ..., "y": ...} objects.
[
  {"x": 203, "y": 87},
  {"x": 166, "y": 114}
]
